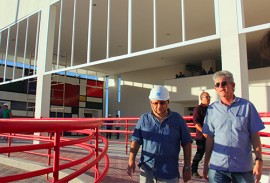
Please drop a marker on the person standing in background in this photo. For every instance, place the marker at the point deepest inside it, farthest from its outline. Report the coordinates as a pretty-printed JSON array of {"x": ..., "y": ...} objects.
[
  {"x": 117, "y": 127},
  {"x": 203, "y": 71},
  {"x": 211, "y": 71},
  {"x": 1, "y": 112},
  {"x": 109, "y": 127},
  {"x": 198, "y": 118},
  {"x": 6, "y": 111}
]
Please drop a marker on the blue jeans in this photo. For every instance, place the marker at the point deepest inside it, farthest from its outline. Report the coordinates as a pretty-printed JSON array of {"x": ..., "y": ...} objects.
[
  {"x": 217, "y": 176},
  {"x": 146, "y": 176}
]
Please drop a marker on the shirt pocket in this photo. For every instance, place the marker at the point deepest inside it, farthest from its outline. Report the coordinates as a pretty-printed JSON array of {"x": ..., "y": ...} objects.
[
  {"x": 172, "y": 132},
  {"x": 241, "y": 122}
]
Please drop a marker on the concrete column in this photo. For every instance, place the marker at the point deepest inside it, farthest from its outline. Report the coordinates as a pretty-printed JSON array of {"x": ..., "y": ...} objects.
[
  {"x": 233, "y": 47},
  {"x": 44, "y": 61}
]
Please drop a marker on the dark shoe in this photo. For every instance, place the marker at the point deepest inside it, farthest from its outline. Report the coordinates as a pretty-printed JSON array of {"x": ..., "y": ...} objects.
[{"x": 196, "y": 175}]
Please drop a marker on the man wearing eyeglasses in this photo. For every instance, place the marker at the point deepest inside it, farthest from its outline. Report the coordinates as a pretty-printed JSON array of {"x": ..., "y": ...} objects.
[
  {"x": 198, "y": 118},
  {"x": 160, "y": 132},
  {"x": 232, "y": 125}
]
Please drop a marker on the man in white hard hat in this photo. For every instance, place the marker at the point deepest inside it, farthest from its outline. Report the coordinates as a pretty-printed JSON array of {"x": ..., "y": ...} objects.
[
  {"x": 160, "y": 133},
  {"x": 6, "y": 111}
]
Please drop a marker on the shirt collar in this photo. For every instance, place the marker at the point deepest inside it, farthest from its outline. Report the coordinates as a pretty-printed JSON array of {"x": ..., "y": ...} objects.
[
  {"x": 169, "y": 114},
  {"x": 235, "y": 100},
  {"x": 204, "y": 105}
]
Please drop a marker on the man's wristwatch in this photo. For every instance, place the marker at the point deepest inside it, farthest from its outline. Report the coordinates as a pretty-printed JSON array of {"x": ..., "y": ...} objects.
[{"x": 258, "y": 159}]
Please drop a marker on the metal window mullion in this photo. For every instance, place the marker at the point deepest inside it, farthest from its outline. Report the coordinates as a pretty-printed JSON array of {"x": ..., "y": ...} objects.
[
  {"x": 129, "y": 26},
  {"x": 73, "y": 33},
  {"x": 183, "y": 21},
  {"x": 216, "y": 10},
  {"x": 0, "y": 44},
  {"x": 240, "y": 15},
  {"x": 59, "y": 34},
  {"x": 89, "y": 31},
  {"x": 155, "y": 23},
  {"x": 108, "y": 30},
  {"x": 15, "y": 52},
  {"x": 119, "y": 89},
  {"x": 255, "y": 28},
  {"x": 25, "y": 45},
  {"x": 106, "y": 96},
  {"x": 36, "y": 46},
  {"x": 6, "y": 56}
]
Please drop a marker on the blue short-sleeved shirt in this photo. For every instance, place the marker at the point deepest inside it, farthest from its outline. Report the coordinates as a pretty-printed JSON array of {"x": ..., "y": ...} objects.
[
  {"x": 232, "y": 127},
  {"x": 161, "y": 143}
]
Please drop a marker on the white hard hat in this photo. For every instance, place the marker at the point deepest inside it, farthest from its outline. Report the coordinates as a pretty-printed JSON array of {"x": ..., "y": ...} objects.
[
  {"x": 6, "y": 104},
  {"x": 159, "y": 93}
]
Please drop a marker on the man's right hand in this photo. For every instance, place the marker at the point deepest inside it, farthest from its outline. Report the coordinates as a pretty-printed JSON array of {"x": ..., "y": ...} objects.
[
  {"x": 131, "y": 169},
  {"x": 205, "y": 171},
  {"x": 134, "y": 147}
]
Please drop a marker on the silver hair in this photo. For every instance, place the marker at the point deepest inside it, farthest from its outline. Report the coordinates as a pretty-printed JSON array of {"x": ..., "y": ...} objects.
[{"x": 226, "y": 74}]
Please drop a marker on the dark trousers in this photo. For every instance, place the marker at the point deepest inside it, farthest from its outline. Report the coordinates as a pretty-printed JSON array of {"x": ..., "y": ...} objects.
[
  {"x": 117, "y": 134},
  {"x": 109, "y": 135},
  {"x": 199, "y": 154}
]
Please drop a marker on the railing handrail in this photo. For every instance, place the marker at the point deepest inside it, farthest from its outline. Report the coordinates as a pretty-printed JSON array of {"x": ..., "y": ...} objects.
[
  {"x": 57, "y": 126},
  {"x": 19, "y": 125}
]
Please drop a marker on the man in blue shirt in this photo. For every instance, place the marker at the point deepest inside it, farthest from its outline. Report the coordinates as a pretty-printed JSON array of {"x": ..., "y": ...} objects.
[
  {"x": 160, "y": 133},
  {"x": 232, "y": 125}
]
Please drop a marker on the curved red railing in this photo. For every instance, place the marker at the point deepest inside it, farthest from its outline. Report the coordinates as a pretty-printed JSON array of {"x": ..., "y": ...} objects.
[
  {"x": 12, "y": 127},
  {"x": 57, "y": 126}
]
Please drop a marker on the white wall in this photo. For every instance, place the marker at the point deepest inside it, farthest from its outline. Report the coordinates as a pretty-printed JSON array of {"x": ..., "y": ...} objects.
[
  {"x": 136, "y": 87},
  {"x": 189, "y": 88},
  {"x": 134, "y": 100}
]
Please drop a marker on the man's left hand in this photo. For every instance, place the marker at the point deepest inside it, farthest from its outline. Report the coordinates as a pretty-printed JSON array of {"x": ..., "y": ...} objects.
[{"x": 257, "y": 171}]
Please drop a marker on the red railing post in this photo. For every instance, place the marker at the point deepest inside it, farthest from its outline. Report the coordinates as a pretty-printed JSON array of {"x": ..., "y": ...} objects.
[
  {"x": 56, "y": 156},
  {"x": 96, "y": 150},
  {"x": 126, "y": 136},
  {"x": 49, "y": 150},
  {"x": 9, "y": 139}
]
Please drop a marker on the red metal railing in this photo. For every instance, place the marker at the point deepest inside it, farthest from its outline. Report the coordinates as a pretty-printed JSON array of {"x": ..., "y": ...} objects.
[
  {"x": 94, "y": 154},
  {"x": 266, "y": 119},
  {"x": 131, "y": 122},
  {"x": 12, "y": 127}
]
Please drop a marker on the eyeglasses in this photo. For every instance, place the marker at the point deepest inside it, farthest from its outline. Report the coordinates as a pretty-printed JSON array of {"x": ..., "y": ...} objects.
[
  {"x": 208, "y": 97},
  {"x": 160, "y": 103},
  {"x": 223, "y": 83}
]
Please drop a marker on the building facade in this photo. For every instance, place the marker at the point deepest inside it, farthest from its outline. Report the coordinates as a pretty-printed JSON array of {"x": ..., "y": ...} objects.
[{"x": 131, "y": 45}]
